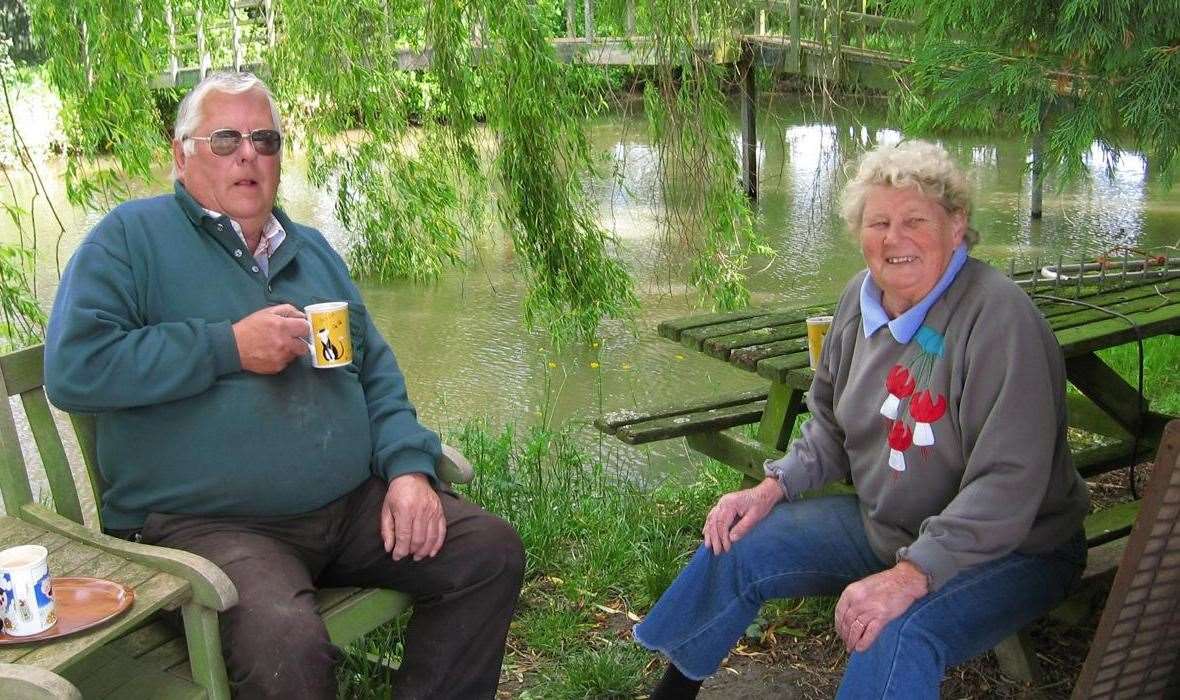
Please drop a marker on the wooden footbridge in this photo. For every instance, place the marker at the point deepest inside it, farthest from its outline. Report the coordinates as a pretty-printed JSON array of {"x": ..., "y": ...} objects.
[{"x": 821, "y": 42}]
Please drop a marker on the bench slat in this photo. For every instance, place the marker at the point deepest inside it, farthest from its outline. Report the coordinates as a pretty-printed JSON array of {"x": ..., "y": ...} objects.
[
  {"x": 694, "y": 337},
  {"x": 53, "y": 454},
  {"x": 1116, "y": 331},
  {"x": 778, "y": 368},
  {"x": 748, "y": 357},
  {"x": 1083, "y": 315},
  {"x": 1093, "y": 461},
  {"x": 672, "y": 329},
  {"x": 1111, "y": 523},
  {"x": 679, "y": 426},
  {"x": 611, "y": 422}
]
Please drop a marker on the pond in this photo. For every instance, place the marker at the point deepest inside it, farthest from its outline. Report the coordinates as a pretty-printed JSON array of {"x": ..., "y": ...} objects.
[{"x": 466, "y": 353}]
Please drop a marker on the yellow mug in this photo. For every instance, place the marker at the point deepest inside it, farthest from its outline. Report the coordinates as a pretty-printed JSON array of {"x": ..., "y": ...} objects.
[
  {"x": 817, "y": 328},
  {"x": 331, "y": 341}
]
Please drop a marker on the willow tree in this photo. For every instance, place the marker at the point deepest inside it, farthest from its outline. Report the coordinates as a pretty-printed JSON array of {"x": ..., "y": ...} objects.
[
  {"x": 1064, "y": 73},
  {"x": 688, "y": 111},
  {"x": 396, "y": 137}
]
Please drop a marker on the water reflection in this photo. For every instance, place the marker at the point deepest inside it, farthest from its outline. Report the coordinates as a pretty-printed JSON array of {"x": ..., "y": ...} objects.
[{"x": 466, "y": 353}]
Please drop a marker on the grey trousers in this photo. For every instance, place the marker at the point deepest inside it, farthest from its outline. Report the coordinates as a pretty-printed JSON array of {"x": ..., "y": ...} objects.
[{"x": 275, "y": 644}]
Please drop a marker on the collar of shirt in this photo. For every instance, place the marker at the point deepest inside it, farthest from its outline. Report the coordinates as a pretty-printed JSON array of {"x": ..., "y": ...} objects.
[
  {"x": 904, "y": 327},
  {"x": 272, "y": 236}
]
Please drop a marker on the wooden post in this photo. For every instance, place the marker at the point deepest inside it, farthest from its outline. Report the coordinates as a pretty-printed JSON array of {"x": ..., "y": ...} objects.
[
  {"x": 796, "y": 48},
  {"x": 588, "y": 7},
  {"x": 173, "y": 59},
  {"x": 749, "y": 124},
  {"x": 762, "y": 22},
  {"x": 1038, "y": 175},
  {"x": 205, "y": 59},
  {"x": 783, "y": 406},
  {"x": 268, "y": 7},
  {"x": 837, "y": 39},
  {"x": 235, "y": 36},
  {"x": 204, "y": 650},
  {"x": 629, "y": 23},
  {"x": 570, "y": 26}
]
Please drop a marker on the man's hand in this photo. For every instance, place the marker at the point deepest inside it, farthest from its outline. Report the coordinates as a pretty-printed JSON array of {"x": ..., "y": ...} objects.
[
  {"x": 866, "y": 606},
  {"x": 412, "y": 520},
  {"x": 747, "y": 507},
  {"x": 269, "y": 339}
]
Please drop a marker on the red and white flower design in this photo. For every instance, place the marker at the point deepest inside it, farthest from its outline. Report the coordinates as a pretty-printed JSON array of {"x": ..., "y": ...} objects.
[
  {"x": 900, "y": 439},
  {"x": 900, "y": 384},
  {"x": 925, "y": 411}
]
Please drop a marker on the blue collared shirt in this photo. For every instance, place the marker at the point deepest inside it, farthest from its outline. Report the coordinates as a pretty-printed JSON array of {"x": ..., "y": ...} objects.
[{"x": 904, "y": 327}]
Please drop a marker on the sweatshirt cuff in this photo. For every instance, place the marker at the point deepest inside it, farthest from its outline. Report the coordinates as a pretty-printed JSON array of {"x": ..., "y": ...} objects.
[
  {"x": 792, "y": 479},
  {"x": 409, "y": 461},
  {"x": 225, "y": 348},
  {"x": 933, "y": 559}
]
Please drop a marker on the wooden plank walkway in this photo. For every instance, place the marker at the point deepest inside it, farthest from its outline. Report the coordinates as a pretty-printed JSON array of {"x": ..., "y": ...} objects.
[{"x": 786, "y": 35}]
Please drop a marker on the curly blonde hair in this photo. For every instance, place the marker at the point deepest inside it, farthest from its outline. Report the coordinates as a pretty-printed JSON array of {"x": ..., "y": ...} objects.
[{"x": 920, "y": 165}]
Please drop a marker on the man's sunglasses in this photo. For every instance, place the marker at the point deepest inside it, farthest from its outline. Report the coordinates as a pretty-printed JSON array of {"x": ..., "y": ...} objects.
[{"x": 224, "y": 142}]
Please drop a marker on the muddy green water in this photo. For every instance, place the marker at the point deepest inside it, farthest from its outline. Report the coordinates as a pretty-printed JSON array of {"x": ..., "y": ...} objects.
[{"x": 467, "y": 354}]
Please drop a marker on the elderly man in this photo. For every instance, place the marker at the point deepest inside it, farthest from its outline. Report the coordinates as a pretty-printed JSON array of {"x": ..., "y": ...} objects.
[{"x": 178, "y": 322}]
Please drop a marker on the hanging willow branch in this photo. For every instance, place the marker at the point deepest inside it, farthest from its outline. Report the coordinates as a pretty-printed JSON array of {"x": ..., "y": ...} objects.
[
  {"x": 403, "y": 151},
  {"x": 102, "y": 59},
  {"x": 1074, "y": 71},
  {"x": 688, "y": 113}
]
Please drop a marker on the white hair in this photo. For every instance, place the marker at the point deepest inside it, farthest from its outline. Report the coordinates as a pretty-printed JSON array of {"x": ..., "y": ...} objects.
[
  {"x": 190, "y": 112},
  {"x": 919, "y": 165}
]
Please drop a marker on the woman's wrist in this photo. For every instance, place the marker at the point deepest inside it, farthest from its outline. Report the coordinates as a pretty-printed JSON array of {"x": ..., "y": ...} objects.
[
  {"x": 771, "y": 490},
  {"x": 913, "y": 580}
]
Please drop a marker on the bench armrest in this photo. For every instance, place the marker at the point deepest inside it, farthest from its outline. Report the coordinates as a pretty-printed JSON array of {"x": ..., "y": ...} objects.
[
  {"x": 453, "y": 467},
  {"x": 211, "y": 587},
  {"x": 33, "y": 683}
]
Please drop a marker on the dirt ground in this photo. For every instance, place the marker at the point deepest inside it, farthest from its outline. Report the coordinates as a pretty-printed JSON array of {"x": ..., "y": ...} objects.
[{"x": 811, "y": 669}]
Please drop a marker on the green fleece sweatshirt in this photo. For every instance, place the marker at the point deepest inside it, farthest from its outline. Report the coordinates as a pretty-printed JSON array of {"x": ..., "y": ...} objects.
[{"x": 141, "y": 335}]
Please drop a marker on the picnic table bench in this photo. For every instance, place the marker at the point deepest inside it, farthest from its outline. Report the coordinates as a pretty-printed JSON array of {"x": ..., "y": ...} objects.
[{"x": 1086, "y": 316}]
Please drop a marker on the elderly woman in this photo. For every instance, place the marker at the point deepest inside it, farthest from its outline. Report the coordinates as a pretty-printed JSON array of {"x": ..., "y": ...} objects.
[{"x": 941, "y": 394}]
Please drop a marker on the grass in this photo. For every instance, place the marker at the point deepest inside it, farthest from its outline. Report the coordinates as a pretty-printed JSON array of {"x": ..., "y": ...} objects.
[
  {"x": 1161, "y": 371},
  {"x": 599, "y": 550}
]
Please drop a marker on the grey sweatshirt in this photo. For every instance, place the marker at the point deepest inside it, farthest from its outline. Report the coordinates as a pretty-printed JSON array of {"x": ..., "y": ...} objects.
[{"x": 956, "y": 441}]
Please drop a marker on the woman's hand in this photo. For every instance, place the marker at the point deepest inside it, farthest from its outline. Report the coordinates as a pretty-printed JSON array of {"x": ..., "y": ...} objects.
[
  {"x": 865, "y": 607},
  {"x": 746, "y": 507}
]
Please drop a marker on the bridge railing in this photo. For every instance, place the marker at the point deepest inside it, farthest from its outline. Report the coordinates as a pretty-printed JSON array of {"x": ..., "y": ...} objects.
[
  {"x": 201, "y": 41},
  {"x": 238, "y": 37}
]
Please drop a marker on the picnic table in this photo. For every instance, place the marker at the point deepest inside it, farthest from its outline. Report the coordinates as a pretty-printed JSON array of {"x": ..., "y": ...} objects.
[{"x": 1086, "y": 315}]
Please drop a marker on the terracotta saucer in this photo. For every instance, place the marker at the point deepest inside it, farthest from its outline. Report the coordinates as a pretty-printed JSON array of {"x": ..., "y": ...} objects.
[{"x": 81, "y": 603}]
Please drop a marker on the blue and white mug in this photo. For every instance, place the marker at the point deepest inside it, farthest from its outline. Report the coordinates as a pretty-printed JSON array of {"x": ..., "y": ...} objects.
[{"x": 26, "y": 591}]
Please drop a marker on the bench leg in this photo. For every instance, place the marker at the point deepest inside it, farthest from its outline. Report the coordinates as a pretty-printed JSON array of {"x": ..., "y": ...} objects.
[
  {"x": 1018, "y": 658},
  {"x": 204, "y": 650}
]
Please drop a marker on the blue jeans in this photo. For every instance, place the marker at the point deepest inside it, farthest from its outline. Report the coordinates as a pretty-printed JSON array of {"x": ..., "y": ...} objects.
[{"x": 817, "y": 547}]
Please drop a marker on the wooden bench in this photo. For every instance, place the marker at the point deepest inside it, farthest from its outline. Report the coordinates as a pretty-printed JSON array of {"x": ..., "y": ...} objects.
[
  {"x": 1136, "y": 649},
  {"x": 140, "y": 654}
]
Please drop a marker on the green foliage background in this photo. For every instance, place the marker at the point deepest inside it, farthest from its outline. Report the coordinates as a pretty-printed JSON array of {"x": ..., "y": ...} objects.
[
  {"x": 1072, "y": 71},
  {"x": 422, "y": 156},
  {"x": 412, "y": 171}
]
